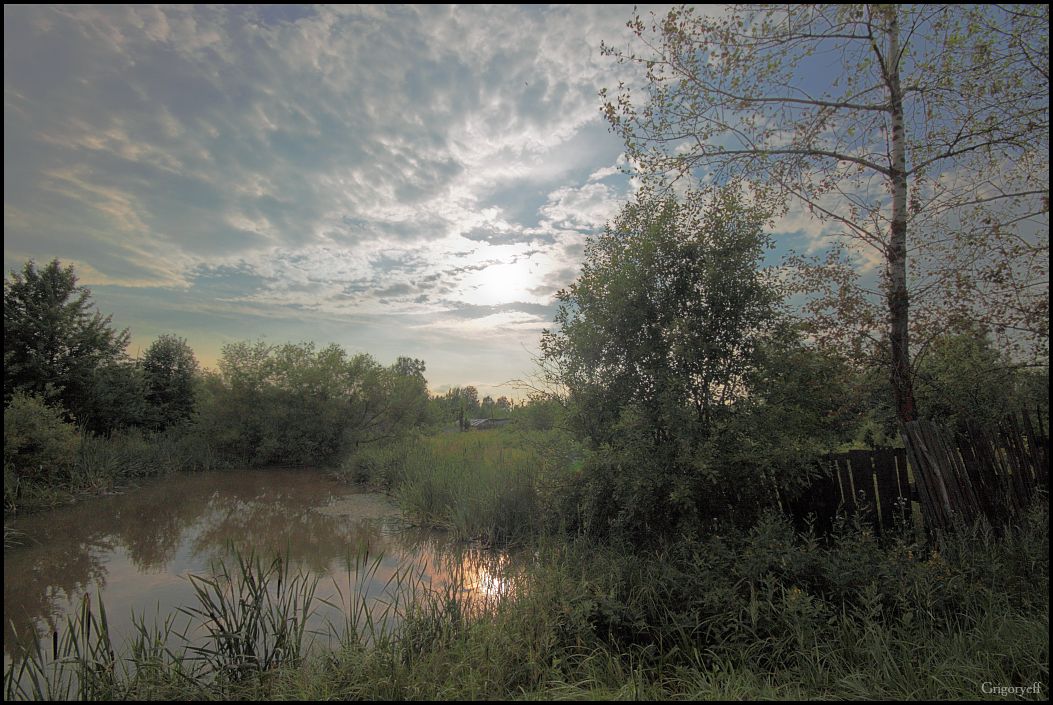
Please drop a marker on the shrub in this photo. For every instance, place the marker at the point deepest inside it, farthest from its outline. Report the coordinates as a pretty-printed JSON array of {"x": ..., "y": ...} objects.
[{"x": 38, "y": 443}]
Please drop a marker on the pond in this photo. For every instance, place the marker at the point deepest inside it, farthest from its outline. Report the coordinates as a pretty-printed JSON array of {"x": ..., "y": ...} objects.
[{"x": 135, "y": 550}]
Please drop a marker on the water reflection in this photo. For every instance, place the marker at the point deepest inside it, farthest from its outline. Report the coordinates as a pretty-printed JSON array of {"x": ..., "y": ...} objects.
[{"x": 135, "y": 549}]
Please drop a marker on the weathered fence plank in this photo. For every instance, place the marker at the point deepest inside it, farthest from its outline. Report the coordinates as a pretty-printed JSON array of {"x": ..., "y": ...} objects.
[{"x": 992, "y": 473}]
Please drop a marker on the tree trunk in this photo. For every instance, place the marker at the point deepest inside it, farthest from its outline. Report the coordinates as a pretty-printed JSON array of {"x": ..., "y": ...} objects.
[{"x": 896, "y": 255}]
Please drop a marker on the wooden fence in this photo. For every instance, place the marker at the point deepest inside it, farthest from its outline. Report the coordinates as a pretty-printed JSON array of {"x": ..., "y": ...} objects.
[{"x": 953, "y": 479}]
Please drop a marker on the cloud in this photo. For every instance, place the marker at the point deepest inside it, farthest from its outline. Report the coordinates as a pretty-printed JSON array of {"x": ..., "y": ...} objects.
[
  {"x": 587, "y": 208},
  {"x": 310, "y": 161}
]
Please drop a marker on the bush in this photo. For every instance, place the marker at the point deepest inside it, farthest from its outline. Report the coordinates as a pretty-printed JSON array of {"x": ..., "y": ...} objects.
[
  {"x": 499, "y": 486},
  {"x": 378, "y": 464},
  {"x": 38, "y": 443},
  {"x": 295, "y": 405},
  {"x": 539, "y": 413}
]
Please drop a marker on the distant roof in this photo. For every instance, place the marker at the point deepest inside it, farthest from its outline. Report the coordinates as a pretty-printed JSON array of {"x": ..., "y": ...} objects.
[{"x": 477, "y": 423}]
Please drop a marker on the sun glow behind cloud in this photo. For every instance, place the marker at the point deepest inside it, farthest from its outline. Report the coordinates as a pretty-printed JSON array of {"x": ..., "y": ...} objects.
[
  {"x": 499, "y": 283},
  {"x": 391, "y": 178},
  {"x": 402, "y": 180}
]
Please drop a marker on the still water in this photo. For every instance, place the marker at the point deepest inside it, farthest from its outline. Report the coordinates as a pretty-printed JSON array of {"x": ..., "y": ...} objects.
[{"x": 135, "y": 550}]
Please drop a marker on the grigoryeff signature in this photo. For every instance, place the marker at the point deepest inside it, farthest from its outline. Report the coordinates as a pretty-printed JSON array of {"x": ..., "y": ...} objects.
[{"x": 988, "y": 688}]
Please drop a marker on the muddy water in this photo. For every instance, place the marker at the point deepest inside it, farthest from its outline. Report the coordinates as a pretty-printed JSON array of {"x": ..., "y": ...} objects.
[{"x": 134, "y": 550}]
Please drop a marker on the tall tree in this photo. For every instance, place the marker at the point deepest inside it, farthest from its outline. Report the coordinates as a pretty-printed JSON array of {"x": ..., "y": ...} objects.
[
  {"x": 666, "y": 315},
  {"x": 470, "y": 396},
  {"x": 918, "y": 134},
  {"x": 695, "y": 396},
  {"x": 54, "y": 342},
  {"x": 169, "y": 367}
]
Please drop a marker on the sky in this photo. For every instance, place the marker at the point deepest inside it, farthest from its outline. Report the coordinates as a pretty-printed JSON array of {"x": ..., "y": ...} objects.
[{"x": 399, "y": 180}]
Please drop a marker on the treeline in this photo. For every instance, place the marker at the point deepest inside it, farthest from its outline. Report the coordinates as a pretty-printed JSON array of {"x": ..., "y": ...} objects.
[
  {"x": 58, "y": 349},
  {"x": 81, "y": 415},
  {"x": 539, "y": 411},
  {"x": 292, "y": 404}
]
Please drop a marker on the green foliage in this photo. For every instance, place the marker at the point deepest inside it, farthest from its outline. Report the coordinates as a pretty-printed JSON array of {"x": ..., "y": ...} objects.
[
  {"x": 82, "y": 465},
  {"x": 379, "y": 464},
  {"x": 135, "y": 454},
  {"x": 254, "y": 616},
  {"x": 856, "y": 114},
  {"x": 168, "y": 368},
  {"x": 539, "y": 413},
  {"x": 86, "y": 670},
  {"x": 665, "y": 316},
  {"x": 497, "y": 486},
  {"x": 963, "y": 379},
  {"x": 739, "y": 614},
  {"x": 252, "y": 626},
  {"x": 806, "y": 613},
  {"x": 291, "y": 404},
  {"x": 39, "y": 445},
  {"x": 696, "y": 399},
  {"x": 117, "y": 396},
  {"x": 55, "y": 346},
  {"x": 458, "y": 404}
]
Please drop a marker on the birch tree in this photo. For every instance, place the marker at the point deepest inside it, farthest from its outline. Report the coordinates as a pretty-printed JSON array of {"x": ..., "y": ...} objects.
[{"x": 917, "y": 135}]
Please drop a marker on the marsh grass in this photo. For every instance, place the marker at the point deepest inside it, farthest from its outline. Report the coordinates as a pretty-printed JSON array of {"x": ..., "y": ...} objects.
[
  {"x": 102, "y": 464},
  {"x": 248, "y": 630},
  {"x": 83, "y": 664},
  {"x": 593, "y": 623},
  {"x": 767, "y": 612},
  {"x": 252, "y": 616},
  {"x": 493, "y": 486},
  {"x": 255, "y": 615}
]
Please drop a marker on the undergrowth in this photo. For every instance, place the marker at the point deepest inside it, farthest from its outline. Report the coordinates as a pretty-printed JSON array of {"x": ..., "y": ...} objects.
[{"x": 764, "y": 613}]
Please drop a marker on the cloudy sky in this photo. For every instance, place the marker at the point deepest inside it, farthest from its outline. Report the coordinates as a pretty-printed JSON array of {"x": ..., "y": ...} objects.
[{"x": 399, "y": 180}]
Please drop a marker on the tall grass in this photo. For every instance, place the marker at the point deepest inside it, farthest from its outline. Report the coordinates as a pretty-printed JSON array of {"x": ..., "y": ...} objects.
[
  {"x": 136, "y": 454},
  {"x": 255, "y": 615},
  {"x": 489, "y": 486},
  {"x": 86, "y": 668},
  {"x": 249, "y": 619},
  {"x": 767, "y": 612},
  {"x": 101, "y": 464},
  {"x": 80, "y": 662}
]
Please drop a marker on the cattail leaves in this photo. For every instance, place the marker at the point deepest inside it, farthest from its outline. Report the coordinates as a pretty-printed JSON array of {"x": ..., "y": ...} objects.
[{"x": 252, "y": 626}]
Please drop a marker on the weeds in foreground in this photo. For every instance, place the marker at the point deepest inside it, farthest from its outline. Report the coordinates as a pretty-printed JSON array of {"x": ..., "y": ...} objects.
[
  {"x": 255, "y": 615},
  {"x": 767, "y": 612}
]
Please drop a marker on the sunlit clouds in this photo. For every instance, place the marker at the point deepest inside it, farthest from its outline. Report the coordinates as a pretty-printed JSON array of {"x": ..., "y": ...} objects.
[{"x": 400, "y": 180}]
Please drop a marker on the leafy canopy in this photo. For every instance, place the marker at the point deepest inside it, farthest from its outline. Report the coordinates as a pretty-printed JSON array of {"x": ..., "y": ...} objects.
[
  {"x": 295, "y": 404},
  {"x": 917, "y": 134},
  {"x": 169, "y": 368},
  {"x": 666, "y": 314},
  {"x": 696, "y": 398}
]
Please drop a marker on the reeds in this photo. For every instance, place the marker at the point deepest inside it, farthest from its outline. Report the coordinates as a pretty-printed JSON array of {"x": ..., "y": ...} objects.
[
  {"x": 255, "y": 615},
  {"x": 82, "y": 664},
  {"x": 251, "y": 617},
  {"x": 764, "y": 613},
  {"x": 488, "y": 486}
]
